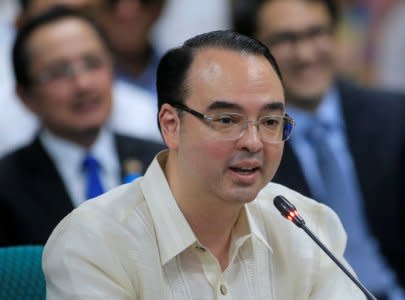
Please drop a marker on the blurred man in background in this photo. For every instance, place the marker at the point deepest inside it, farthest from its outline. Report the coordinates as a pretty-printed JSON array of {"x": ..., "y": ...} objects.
[
  {"x": 129, "y": 100},
  {"x": 348, "y": 149},
  {"x": 128, "y": 25},
  {"x": 64, "y": 75}
]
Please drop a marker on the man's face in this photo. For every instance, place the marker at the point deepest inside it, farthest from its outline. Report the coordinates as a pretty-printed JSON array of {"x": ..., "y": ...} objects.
[
  {"x": 71, "y": 78},
  {"x": 299, "y": 34},
  {"x": 226, "y": 81},
  {"x": 127, "y": 24}
]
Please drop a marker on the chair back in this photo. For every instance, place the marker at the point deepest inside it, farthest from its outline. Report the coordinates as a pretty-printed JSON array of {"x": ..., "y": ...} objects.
[{"x": 21, "y": 275}]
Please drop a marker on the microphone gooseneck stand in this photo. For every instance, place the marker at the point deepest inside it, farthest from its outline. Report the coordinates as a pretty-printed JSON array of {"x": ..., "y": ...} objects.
[{"x": 288, "y": 210}]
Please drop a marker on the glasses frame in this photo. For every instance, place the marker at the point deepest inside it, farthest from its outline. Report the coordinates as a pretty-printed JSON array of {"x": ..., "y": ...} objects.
[
  {"x": 73, "y": 69},
  {"x": 288, "y": 125},
  {"x": 291, "y": 39}
]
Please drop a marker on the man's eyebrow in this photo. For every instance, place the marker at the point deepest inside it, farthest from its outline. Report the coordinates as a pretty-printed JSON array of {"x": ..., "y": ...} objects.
[
  {"x": 274, "y": 106},
  {"x": 222, "y": 104}
]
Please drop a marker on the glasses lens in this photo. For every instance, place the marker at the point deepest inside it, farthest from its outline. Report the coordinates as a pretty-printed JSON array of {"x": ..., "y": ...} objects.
[
  {"x": 274, "y": 129},
  {"x": 229, "y": 125},
  {"x": 270, "y": 128}
]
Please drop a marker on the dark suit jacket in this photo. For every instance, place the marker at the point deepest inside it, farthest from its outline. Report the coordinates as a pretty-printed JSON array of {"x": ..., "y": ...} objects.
[
  {"x": 33, "y": 197},
  {"x": 375, "y": 123}
]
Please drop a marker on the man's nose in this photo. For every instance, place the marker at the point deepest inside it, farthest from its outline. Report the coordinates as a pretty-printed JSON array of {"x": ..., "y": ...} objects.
[
  {"x": 81, "y": 75},
  {"x": 304, "y": 49},
  {"x": 251, "y": 139}
]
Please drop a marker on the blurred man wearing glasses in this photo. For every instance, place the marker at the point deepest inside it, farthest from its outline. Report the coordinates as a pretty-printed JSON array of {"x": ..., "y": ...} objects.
[
  {"x": 128, "y": 98},
  {"x": 195, "y": 226},
  {"x": 349, "y": 144},
  {"x": 64, "y": 74}
]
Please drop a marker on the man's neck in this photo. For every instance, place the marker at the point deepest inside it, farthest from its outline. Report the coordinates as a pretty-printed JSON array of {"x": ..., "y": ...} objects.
[
  {"x": 84, "y": 139},
  {"x": 134, "y": 64},
  {"x": 213, "y": 230},
  {"x": 309, "y": 105},
  {"x": 211, "y": 220}
]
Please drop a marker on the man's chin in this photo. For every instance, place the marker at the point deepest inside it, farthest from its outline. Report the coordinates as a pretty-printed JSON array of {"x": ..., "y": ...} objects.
[
  {"x": 307, "y": 99},
  {"x": 244, "y": 195}
]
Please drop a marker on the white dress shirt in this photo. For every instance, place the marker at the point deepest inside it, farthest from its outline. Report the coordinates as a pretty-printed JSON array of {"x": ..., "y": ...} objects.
[
  {"x": 68, "y": 158},
  {"x": 134, "y": 243}
]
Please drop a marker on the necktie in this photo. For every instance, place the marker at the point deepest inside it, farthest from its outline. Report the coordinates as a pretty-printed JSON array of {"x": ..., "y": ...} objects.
[
  {"x": 340, "y": 191},
  {"x": 91, "y": 168},
  {"x": 339, "y": 188}
]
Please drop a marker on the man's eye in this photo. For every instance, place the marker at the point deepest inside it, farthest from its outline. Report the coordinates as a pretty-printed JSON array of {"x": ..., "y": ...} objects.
[
  {"x": 92, "y": 62},
  {"x": 227, "y": 120},
  {"x": 270, "y": 122},
  {"x": 58, "y": 71}
]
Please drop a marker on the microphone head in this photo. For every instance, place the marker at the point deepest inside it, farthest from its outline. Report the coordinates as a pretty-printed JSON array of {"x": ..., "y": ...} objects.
[{"x": 288, "y": 210}]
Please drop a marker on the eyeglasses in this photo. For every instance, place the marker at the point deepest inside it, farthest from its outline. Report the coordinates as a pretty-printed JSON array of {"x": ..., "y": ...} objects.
[
  {"x": 314, "y": 33},
  {"x": 231, "y": 126},
  {"x": 67, "y": 71}
]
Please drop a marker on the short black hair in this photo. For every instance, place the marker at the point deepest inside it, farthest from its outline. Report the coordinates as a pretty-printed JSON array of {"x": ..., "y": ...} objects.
[
  {"x": 175, "y": 64},
  {"x": 20, "y": 54},
  {"x": 245, "y": 12}
]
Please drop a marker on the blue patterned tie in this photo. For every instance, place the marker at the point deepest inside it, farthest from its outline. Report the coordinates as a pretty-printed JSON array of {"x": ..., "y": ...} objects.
[
  {"x": 340, "y": 187},
  {"x": 340, "y": 190},
  {"x": 91, "y": 169}
]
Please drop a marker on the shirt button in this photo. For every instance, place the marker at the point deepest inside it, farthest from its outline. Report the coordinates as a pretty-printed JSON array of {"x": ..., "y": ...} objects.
[{"x": 223, "y": 290}]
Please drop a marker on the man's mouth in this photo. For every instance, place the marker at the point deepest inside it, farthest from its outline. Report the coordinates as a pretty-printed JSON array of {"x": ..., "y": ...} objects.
[{"x": 244, "y": 171}]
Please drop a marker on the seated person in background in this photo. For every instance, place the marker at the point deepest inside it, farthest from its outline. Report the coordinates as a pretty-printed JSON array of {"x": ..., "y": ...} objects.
[
  {"x": 201, "y": 224},
  {"x": 63, "y": 71},
  {"x": 348, "y": 149},
  {"x": 128, "y": 26},
  {"x": 18, "y": 125}
]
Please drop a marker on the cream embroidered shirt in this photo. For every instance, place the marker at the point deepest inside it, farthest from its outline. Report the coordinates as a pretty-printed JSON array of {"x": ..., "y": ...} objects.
[{"x": 134, "y": 243}]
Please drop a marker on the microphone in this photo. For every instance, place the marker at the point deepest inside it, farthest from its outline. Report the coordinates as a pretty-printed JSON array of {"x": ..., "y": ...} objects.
[{"x": 288, "y": 210}]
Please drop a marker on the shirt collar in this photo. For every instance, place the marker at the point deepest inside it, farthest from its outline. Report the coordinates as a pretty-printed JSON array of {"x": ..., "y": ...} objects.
[
  {"x": 69, "y": 155},
  {"x": 174, "y": 234},
  {"x": 256, "y": 228}
]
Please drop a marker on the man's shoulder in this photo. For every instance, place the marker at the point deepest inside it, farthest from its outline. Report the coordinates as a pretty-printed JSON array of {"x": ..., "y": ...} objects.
[
  {"x": 114, "y": 219},
  {"x": 372, "y": 110},
  {"x": 321, "y": 219},
  {"x": 272, "y": 190},
  {"x": 116, "y": 205},
  {"x": 133, "y": 148},
  {"x": 384, "y": 97},
  {"x": 19, "y": 159},
  {"x": 313, "y": 212}
]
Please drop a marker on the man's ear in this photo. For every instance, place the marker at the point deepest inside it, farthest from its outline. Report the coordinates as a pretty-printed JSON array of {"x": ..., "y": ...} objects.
[
  {"x": 26, "y": 98},
  {"x": 169, "y": 125}
]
